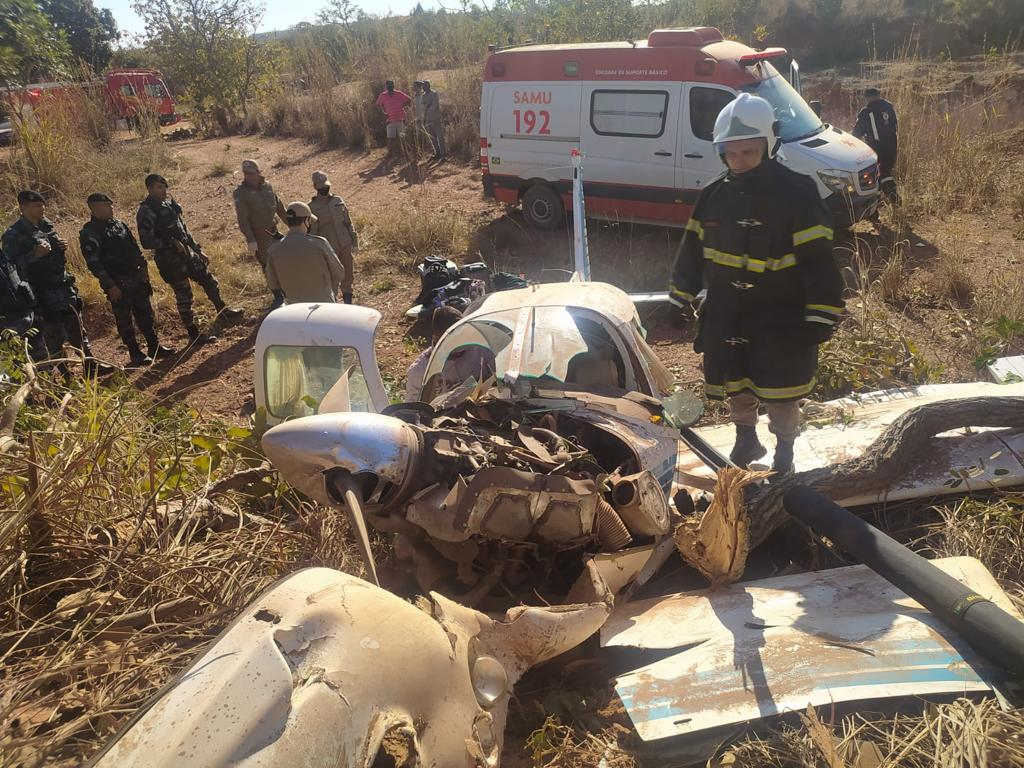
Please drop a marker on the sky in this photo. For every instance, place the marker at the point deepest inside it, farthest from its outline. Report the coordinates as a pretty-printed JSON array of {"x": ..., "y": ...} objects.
[{"x": 279, "y": 14}]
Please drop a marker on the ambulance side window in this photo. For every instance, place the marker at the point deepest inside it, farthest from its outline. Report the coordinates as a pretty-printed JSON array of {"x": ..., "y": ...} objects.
[
  {"x": 705, "y": 104},
  {"x": 628, "y": 113}
]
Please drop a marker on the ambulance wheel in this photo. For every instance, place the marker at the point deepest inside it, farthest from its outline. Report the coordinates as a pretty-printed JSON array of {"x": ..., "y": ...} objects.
[{"x": 543, "y": 207}]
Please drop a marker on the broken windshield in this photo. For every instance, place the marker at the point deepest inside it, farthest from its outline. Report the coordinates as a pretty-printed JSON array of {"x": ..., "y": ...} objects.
[
  {"x": 555, "y": 345},
  {"x": 796, "y": 119}
]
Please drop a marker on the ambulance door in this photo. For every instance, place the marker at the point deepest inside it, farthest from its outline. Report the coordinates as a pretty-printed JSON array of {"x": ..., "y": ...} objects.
[
  {"x": 532, "y": 128},
  {"x": 699, "y": 164},
  {"x": 629, "y": 140}
]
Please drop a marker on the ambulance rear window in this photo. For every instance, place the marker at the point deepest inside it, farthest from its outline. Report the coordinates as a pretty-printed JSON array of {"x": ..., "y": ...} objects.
[{"x": 628, "y": 113}]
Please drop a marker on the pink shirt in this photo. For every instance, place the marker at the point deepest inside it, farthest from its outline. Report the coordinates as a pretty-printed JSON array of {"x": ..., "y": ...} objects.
[{"x": 393, "y": 105}]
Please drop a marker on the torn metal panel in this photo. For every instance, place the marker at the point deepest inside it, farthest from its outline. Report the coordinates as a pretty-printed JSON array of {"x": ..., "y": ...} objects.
[
  {"x": 960, "y": 461},
  {"x": 763, "y": 648},
  {"x": 326, "y": 669}
]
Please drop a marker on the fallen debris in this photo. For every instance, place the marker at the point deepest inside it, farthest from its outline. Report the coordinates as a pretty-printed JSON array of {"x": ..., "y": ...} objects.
[{"x": 326, "y": 669}]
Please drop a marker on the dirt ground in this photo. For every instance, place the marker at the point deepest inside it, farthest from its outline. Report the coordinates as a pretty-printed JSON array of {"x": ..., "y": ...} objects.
[{"x": 218, "y": 378}]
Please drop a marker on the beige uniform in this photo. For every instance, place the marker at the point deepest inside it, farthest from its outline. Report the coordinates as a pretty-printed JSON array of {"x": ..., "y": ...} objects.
[
  {"x": 305, "y": 268},
  {"x": 257, "y": 209},
  {"x": 335, "y": 224}
]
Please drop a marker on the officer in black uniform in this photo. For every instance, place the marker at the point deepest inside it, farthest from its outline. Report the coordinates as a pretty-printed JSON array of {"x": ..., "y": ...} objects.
[
  {"x": 178, "y": 256},
  {"x": 17, "y": 309},
  {"x": 760, "y": 242},
  {"x": 114, "y": 257},
  {"x": 39, "y": 254},
  {"x": 877, "y": 126}
]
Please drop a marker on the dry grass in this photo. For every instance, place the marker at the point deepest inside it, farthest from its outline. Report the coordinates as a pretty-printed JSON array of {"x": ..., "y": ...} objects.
[
  {"x": 953, "y": 280},
  {"x": 120, "y": 555},
  {"x": 414, "y": 231}
]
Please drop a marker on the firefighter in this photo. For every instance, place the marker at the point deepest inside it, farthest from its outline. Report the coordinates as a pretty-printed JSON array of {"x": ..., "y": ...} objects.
[
  {"x": 38, "y": 252},
  {"x": 179, "y": 259},
  {"x": 760, "y": 242},
  {"x": 17, "y": 309},
  {"x": 302, "y": 265},
  {"x": 114, "y": 257},
  {"x": 258, "y": 207},
  {"x": 335, "y": 225},
  {"x": 877, "y": 126}
]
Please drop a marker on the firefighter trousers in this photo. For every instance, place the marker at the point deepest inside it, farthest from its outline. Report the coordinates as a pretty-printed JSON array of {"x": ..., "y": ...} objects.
[{"x": 783, "y": 418}]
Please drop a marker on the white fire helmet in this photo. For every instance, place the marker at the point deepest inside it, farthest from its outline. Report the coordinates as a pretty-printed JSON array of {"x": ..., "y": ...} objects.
[{"x": 746, "y": 117}]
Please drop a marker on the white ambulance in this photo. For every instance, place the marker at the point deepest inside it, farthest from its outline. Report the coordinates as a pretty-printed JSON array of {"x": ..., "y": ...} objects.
[{"x": 642, "y": 115}]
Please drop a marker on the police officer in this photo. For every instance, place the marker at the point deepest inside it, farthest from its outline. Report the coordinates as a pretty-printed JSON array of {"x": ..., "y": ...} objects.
[
  {"x": 38, "y": 252},
  {"x": 113, "y": 256},
  {"x": 760, "y": 241},
  {"x": 877, "y": 126},
  {"x": 178, "y": 256},
  {"x": 17, "y": 309},
  {"x": 257, "y": 207},
  {"x": 302, "y": 265},
  {"x": 334, "y": 224}
]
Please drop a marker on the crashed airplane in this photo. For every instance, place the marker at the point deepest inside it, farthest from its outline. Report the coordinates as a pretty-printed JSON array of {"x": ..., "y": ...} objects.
[{"x": 551, "y": 463}]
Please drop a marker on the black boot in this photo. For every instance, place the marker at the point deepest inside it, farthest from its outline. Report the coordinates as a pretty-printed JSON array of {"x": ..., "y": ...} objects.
[
  {"x": 783, "y": 462},
  {"x": 278, "y": 300},
  {"x": 231, "y": 313},
  {"x": 197, "y": 337},
  {"x": 747, "y": 448},
  {"x": 347, "y": 297},
  {"x": 159, "y": 351},
  {"x": 136, "y": 359},
  {"x": 94, "y": 367}
]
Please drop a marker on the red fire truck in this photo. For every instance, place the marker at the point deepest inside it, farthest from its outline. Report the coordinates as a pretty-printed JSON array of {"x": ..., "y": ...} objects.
[{"x": 127, "y": 93}]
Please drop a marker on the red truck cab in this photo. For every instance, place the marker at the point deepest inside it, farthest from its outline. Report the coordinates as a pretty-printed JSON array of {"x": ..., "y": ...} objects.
[{"x": 131, "y": 91}]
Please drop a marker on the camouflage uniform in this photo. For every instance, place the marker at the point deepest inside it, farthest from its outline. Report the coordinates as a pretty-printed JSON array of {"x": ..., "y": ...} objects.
[
  {"x": 160, "y": 227},
  {"x": 17, "y": 309},
  {"x": 57, "y": 300},
  {"x": 114, "y": 257}
]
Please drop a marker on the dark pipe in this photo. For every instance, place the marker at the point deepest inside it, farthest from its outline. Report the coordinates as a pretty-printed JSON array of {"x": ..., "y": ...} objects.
[{"x": 990, "y": 630}]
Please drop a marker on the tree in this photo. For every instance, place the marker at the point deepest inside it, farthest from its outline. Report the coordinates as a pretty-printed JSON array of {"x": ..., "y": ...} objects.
[
  {"x": 30, "y": 46},
  {"x": 209, "y": 49},
  {"x": 90, "y": 32},
  {"x": 343, "y": 12}
]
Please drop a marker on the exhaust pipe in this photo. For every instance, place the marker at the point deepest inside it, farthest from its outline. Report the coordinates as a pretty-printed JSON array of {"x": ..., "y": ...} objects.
[{"x": 989, "y": 630}]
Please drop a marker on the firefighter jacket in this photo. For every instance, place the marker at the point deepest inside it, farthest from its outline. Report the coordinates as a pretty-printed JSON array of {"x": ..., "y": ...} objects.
[
  {"x": 52, "y": 284},
  {"x": 161, "y": 225},
  {"x": 876, "y": 125},
  {"x": 333, "y": 222},
  {"x": 257, "y": 209},
  {"x": 111, "y": 252},
  {"x": 761, "y": 243}
]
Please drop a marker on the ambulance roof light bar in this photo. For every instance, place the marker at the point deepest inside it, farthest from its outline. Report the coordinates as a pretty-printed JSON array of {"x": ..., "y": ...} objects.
[{"x": 750, "y": 59}]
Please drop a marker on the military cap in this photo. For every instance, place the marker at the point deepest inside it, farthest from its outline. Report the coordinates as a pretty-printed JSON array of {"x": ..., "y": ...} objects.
[
  {"x": 869, "y": 92},
  {"x": 250, "y": 166},
  {"x": 426, "y": 83},
  {"x": 156, "y": 178},
  {"x": 417, "y": 82},
  {"x": 30, "y": 196},
  {"x": 320, "y": 180},
  {"x": 299, "y": 210},
  {"x": 98, "y": 197}
]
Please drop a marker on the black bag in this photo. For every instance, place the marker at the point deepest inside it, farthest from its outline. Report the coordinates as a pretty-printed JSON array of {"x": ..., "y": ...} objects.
[{"x": 435, "y": 272}]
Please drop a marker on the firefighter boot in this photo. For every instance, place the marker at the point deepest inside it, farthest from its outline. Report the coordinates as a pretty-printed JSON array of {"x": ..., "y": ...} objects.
[
  {"x": 278, "y": 300},
  {"x": 747, "y": 448},
  {"x": 136, "y": 358},
  {"x": 347, "y": 297},
  {"x": 783, "y": 462},
  {"x": 197, "y": 337}
]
